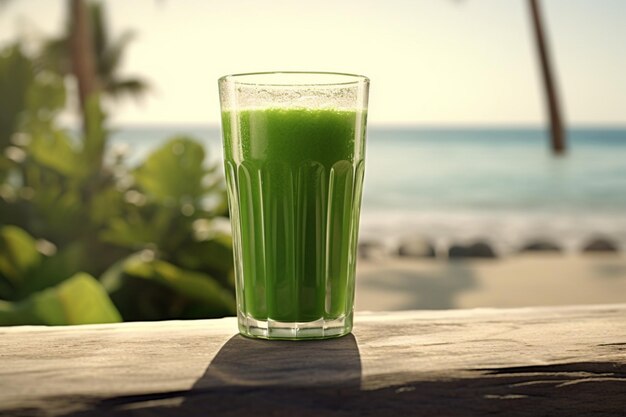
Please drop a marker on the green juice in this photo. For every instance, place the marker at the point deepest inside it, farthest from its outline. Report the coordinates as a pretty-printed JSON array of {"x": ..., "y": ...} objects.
[{"x": 294, "y": 180}]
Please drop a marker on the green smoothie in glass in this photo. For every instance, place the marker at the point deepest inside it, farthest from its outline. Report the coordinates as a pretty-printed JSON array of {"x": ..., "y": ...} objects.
[{"x": 294, "y": 176}]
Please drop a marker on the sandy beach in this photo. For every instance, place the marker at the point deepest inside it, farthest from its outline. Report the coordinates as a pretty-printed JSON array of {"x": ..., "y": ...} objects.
[{"x": 515, "y": 281}]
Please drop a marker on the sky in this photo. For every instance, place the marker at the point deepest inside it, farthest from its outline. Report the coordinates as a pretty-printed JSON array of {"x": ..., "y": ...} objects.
[{"x": 431, "y": 62}]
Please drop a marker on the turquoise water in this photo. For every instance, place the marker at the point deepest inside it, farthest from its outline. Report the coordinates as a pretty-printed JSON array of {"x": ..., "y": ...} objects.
[
  {"x": 496, "y": 170},
  {"x": 452, "y": 184}
]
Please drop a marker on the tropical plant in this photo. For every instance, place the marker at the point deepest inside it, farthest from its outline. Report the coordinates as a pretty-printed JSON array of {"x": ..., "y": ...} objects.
[
  {"x": 108, "y": 55},
  {"x": 84, "y": 240}
]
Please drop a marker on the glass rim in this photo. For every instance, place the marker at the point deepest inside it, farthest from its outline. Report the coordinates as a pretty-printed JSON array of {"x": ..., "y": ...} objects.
[{"x": 348, "y": 79}]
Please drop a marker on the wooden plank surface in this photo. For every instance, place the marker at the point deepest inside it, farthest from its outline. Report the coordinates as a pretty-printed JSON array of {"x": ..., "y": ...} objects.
[{"x": 512, "y": 362}]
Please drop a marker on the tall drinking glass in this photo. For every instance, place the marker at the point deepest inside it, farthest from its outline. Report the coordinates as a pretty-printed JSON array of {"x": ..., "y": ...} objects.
[{"x": 294, "y": 147}]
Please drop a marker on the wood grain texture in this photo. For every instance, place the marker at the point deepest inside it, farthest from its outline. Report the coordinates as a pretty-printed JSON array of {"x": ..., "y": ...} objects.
[{"x": 511, "y": 362}]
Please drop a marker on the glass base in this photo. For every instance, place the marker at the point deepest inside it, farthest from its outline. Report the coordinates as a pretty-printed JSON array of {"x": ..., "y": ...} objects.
[{"x": 278, "y": 330}]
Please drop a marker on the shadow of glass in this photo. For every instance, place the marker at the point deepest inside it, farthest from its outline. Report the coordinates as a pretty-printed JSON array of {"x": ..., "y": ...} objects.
[
  {"x": 311, "y": 379},
  {"x": 254, "y": 377},
  {"x": 244, "y": 362},
  {"x": 260, "y": 377}
]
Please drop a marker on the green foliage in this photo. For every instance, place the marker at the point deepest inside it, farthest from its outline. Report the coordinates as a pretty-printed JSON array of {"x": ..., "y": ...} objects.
[
  {"x": 46, "y": 288},
  {"x": 28, "y": 265},
  {"x": 148, "y": 233},
  {"x": 145, "y": 288},
  {"x": 173, "y": 174},
  {"x": 94, "y": 141},
  {"x": 16, "y": 75},
  {"x": 213, "y": 255},
  {"x": 77, "y": 300},
  {"x": 54, "y": 269},
  {"x": 18, "y": 256}
]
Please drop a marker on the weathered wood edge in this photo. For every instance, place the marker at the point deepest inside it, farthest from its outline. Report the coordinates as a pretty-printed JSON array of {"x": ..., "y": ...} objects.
[{"x": 591, "y": 383}]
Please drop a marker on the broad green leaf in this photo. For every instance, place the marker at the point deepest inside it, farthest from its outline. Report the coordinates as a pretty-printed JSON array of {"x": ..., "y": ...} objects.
[
  {"x": 78, "y": 300},
  {"x": 194, "y": 285},
  {"x": 18, "y": 253},
  {"x": 55, "y": 150},
  {"x": 214, "y": 255},
  {"x": 155, "y": 225},
  {"x": 134, "y": 231},
  {"x": 16, "y": 76},
  {"x": 173, "y": 173},
  {"x": 54, "y": 269},
  {"x": 145, "y": 289}
]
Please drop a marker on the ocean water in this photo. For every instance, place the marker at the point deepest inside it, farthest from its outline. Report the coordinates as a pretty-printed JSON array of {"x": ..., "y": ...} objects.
[{"x": 451, "y": 185}]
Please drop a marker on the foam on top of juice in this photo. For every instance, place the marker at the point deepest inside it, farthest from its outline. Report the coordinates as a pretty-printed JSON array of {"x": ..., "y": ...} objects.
[
  {"x": 293, "y": 90},
  {"x": 252, "y": 97}
]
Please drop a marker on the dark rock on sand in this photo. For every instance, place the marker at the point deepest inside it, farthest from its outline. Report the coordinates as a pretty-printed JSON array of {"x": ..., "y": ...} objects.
[
  {"x": 371, "y": 250},
  {"x": 416, "y": 248},
  {"x": 541, "y": 246},
  {"x": 475, "y": 250},
  {"x": 600, "y": 245}
]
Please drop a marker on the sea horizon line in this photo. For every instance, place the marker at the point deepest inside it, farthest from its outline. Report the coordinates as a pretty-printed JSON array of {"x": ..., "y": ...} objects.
[{"x": 380, "y": 126}]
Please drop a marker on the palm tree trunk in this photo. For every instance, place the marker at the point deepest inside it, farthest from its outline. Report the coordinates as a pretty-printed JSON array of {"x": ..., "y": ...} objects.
[
  {"x": 556, "y": 123},
  {"x": 82, "y": 54}
]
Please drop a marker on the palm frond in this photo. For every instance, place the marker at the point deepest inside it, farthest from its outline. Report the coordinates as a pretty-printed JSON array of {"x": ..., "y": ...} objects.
[
  {"x": 99, "y": 31},
  {"x": 131, "y": 87},
  {"x": 111, "y": 58},
  {"x": 109, "y": 54}
]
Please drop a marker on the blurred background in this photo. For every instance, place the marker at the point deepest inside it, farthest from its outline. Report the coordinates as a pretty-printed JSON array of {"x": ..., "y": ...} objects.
[{"x": 495, "y": 170}]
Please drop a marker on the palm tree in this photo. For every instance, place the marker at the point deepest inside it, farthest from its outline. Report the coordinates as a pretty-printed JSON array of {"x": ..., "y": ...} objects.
[
  {"x": 557, "y": 132},
  {"x": 554, "y": 112},
  {"x": 87, "y": 23},
  {"x": 79, "y": 47},
  {"x": 109, "y": 55}
]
